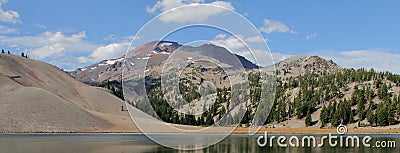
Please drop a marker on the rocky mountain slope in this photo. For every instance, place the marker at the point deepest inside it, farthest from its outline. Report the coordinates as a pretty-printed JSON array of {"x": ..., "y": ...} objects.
[
  {"x": 38, "y": 97},
  {"x": 315, "y": 92},
  {"x": 310, "y": 91},
  {"x": 159, "y": 51},
  {"x": 302, "y": 64}
]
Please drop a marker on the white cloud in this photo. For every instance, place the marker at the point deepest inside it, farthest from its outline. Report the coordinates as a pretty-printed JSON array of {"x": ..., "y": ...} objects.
[
  {"x": 279, "y": 56},
  {"x": 56, "y": 50},
  {"x": 50, "y": 44},
  {"x": 275, "y": 26},
  {"x": 110, "y": 51},
  {"x": 6, "y": 30},
  {"x": 187, "y": 15},
  {"x": 311, "y": 36},
  {"x": 234, "y": 45},
  {"x": 40, "y": 26},
  {"x": 264, "y": 58},
  {"x": 231, "y": 43},
  {"x": 379, "y": 59},
  {"x": 220, "y": 36},
  {"x": 8, "y": 16},
  {"x": 257, "y": 39},
  {"x": 111, "y": 37},
  {"x": 115, "y": 38},
  {"x": 164, "y": 5},
  {"x": 65, "y": 51}
]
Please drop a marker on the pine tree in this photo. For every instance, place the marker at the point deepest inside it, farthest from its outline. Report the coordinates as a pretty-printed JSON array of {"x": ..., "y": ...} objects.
[
  {"x": 324, "y": 117},
  {"x": 398, "y": 106},
  {"x": 308, "y": 119},
  {"x": 391, "y": 113},
  {"x": 371, "y": 117},
  {"x": 351, "y": 117},
  {"x": 113, "y": 90},
  {"x": 298, "y": 105},
  {"x": 381, "y": 114},
  {"x": 332, "y": 110},
  {"x": 383, "y": 92},
  {"x": 108, "y": 84},
  {"x": 360, "y": 101},
  {"x": 371, "y": 103},
  {"x": 246, "y": 118},
  {"x": 209, "y": 119},
  {"x": 378, "y": 82},
  {"x": 281, "y": 111}
]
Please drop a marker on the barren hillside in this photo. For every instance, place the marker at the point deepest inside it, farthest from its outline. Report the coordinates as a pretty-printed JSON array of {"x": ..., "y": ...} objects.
[{"x": 38, "y": 97}]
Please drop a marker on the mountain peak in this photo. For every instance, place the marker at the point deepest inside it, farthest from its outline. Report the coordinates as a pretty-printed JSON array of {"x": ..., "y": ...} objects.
[
  {"x": 157, "y": 52},
  {"x": 304, "y": 64}
]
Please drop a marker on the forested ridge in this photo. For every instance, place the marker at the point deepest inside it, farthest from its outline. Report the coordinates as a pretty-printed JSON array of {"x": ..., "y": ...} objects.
[
  {"x": 361, "y": 96},
  {"x": 321, "y": 97}
]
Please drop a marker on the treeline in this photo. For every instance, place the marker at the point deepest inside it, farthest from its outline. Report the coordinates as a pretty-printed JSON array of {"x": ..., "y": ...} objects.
[
  {"x": 328, "y": 92},
  {"x": 219, "y": 110},
  {"x": 372, "y": 100},
  {"x": 167, "y": 113}
]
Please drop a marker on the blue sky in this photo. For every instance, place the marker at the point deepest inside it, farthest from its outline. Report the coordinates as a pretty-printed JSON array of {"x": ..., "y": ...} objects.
[{"x": 72, "y": 34}]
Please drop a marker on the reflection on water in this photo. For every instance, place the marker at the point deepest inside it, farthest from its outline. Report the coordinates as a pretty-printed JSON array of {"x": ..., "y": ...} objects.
[{"x": 132, "y": 143}]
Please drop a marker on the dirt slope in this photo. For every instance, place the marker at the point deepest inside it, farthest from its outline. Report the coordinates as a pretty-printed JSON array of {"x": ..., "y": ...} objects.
[{"x": 38, "y": 97}]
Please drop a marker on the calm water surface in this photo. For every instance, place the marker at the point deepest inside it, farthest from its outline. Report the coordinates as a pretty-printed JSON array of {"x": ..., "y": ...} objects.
[{"x": 132, "y": 143}]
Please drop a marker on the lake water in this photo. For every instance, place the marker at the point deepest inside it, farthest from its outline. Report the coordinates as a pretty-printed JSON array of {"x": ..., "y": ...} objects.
[{"x": 132, "y": 143}]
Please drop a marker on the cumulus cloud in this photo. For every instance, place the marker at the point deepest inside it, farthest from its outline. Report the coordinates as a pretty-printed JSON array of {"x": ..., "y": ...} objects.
[
  {"x": 8, "y": 16},
  {"x": 6, "y": 30},
  {"x": 186, "y": 15},
  {"x": 110, "y": 51},
  {"x": 164, "y": 5},
  {"x": 66, "y": 51},
  {"x": 234, "y": 45},
  {"x": 49, "y": 44},
  {"x": 257, "y": 39},
  {"x": 231, "y": 43},
  {"x": 379, "y": 59},
  {"x": 311, "y": 36},
  {"x": 271, "y": 26}
]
